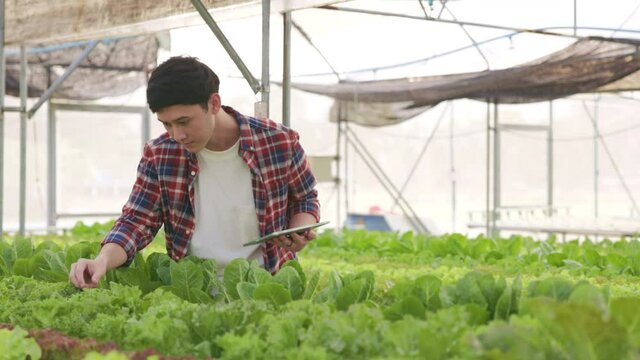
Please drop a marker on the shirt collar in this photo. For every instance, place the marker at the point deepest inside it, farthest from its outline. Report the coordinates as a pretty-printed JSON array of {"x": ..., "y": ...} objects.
[{"x": 246, "y": 137}]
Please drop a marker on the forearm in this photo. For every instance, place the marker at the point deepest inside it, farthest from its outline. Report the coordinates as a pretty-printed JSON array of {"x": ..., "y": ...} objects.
[
  {"x": 301, "y": 219},
  {"x": 113, "y": 255}
]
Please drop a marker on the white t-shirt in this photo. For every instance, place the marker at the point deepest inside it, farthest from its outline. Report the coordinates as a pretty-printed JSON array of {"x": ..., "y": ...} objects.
[{"x": 225, "y": 211}]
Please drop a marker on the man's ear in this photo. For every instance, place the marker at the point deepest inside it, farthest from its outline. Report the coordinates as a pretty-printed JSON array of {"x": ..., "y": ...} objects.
[{"x": 215, "y": 103}]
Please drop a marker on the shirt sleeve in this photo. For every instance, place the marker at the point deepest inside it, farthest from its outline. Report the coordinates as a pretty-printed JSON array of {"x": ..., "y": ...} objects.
[
  {"x": 141, "y": 215},
  {"x": 303, "y": 197}
]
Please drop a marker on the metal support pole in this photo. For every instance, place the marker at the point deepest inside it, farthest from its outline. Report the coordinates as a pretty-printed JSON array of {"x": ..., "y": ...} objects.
[
  {"x": 575, "y": 17},
  {"x": 488, "y": 172},
  {"x": 596, "y": 160},
  {"x": 202, "y": 10},
  {"x": 56, "y": 84},
  {"x": 453, "y": 170},
  {"x": 550, "y": 162},
  {"x": 23, "y": 141},
  {"x": 338, "y": 165},
  {"x": 146, "y": 126},
  {"x": 286, "y": 71},
  {"x": 345, "y": 123},
  {"x": 266, "y": 16},
  {"x": 51, "y": 169},
  {"x": 13, "y": 109},
  {"x": 2, "y": 86},
  {"x": 496, "y": 169}
]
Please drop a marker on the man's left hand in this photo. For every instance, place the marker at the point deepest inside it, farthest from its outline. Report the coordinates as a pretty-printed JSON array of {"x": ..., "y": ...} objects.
[{"x": 294, "y": 241}]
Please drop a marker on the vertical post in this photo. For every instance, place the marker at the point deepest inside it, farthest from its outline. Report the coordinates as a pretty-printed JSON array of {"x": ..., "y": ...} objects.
[
  {"x": 286, "y": 71},
  {"x": 2, "y": 85},
  {"x": 496, "y": 169},
  {"x": 453, "y": 170},
  {"x": 266, "y": 14},
  {"x": 346, "y": 167},
  {"x": 550, "y": 162},
  {"x": 596, "y": 161},
  {"x": 488, "y": 173},
  {"x": 23, "y": 140},
  {"x": 51, "y": 168},
  {"x": 338, "y": 165},
  {"x": 146, "y": 126},
  {"x": 575, "y": 17}
]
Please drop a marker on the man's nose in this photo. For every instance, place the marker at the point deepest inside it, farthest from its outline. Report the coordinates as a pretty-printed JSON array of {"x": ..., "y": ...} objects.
[{"x": 178, "y": 134}]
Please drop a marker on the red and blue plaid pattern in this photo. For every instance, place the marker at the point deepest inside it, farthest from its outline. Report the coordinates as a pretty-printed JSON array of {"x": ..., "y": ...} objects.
[{"x": 163, "y": 193}]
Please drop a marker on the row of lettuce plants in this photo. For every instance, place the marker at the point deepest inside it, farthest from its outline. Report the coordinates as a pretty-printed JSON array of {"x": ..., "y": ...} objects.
[
  {"x": 525, "y": 299},
  {"x": 556, "y": 320}
]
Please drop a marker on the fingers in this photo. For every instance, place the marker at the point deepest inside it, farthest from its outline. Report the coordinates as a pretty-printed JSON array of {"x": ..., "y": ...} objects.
[
  {"x": 97, "y": 275},
  {"x": 75, "y": 274},
  {"x": 85, "y": 274},
  {"x": 298, "y": 243},
  {"x": 72, "y": 274},
  {"x": 293, "y": 242},
  {"x": 310, "y": 235},
  {"x": 283, "y": 241}
]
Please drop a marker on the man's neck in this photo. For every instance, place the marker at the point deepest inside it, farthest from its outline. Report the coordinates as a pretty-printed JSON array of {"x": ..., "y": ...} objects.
[{"x": 226, "y": 132}]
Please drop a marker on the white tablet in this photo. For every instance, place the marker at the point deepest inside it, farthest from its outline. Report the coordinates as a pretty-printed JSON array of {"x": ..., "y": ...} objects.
[{"x": 300, "y": 229}]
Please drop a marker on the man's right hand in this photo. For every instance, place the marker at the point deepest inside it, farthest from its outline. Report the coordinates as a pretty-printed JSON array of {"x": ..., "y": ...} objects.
[{"x": 87, "y": 273}]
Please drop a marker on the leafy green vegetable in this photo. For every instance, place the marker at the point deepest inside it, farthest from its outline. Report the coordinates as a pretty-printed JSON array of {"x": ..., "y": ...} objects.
[
  {"x": 16, "y": 345},
  {"x": 288, "y": 277},
  {"x": 276, "y": 294},
  {"x": 235, "y": 272}
]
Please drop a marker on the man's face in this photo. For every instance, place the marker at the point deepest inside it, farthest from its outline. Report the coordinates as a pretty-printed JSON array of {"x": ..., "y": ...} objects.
[{"x": 190, "y": 125}]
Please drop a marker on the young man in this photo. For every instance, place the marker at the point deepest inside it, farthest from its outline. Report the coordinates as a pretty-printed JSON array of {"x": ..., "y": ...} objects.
[{"x": 216, "y": 179}]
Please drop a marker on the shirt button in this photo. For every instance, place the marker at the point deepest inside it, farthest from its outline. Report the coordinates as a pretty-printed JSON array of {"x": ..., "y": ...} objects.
[
  {"x": 252, "y": 148},
  {"x": 193, "y": 173},
  {"x": 188, "y": 232}
]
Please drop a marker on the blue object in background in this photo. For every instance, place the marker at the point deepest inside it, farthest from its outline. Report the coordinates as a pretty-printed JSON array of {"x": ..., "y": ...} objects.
[{"x": 375, "y": 222}]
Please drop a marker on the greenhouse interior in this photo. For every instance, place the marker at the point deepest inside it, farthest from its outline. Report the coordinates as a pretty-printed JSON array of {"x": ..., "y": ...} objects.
[{"x": 424, "y": 179}]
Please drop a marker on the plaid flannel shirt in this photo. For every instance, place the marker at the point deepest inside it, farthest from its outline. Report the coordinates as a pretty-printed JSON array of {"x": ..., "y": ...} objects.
[{"x": 163, "y": 193}]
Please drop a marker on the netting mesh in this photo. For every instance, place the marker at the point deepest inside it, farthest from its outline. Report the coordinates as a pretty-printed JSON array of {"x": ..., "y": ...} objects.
[
  {"x": 35, "y": 20},
  {"x": 114, "y": 67},
  {"x": 588, "y": 65}
]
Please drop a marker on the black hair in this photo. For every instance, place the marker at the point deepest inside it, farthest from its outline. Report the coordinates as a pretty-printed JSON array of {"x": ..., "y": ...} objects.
[{"x": 181, "y": 80}]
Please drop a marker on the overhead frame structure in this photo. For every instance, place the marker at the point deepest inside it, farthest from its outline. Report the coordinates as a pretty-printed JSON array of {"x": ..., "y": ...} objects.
[
  {"x": 493, "y": 203},
  {"x": 30, "y": 28},
  {"x": 246, "y": 8}
]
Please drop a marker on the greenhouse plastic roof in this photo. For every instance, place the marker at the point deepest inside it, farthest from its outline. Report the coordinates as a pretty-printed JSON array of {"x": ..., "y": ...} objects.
[{"x": 588, "y": 65}]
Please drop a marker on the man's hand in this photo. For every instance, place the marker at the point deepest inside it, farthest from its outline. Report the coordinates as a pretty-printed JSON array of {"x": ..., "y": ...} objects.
[
  {"x": 87, "y": 273},
  {"x": 294, "y": 241}
]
